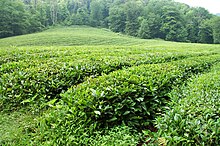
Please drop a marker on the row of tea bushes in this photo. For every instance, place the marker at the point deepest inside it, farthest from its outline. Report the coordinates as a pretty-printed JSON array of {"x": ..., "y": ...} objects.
[
  {"x": 132, "y": 96},
  {"x": 23, "y": 85},
  {"x": 132, "y": 59},
  {"x": 21, "y": 58},
  {"x": 194, "y": 115},
  {"x": 45, "y": 53}
]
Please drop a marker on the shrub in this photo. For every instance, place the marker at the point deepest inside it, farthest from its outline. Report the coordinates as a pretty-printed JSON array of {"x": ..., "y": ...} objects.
[
  {"x": 133, "y": 96},
  {"x": 38, "y": 81},
  {"x": 193, "y": 117}
]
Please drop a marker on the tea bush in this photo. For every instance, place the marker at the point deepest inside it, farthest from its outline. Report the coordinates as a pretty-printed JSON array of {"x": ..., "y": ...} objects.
[
  {"x": 133, "y": 96},
  {"x": 119, "y": 135},
  {"x": 193, "y": 117},
  {"x": 35, "y": 82},
  {"x": 113, "y": 85}
]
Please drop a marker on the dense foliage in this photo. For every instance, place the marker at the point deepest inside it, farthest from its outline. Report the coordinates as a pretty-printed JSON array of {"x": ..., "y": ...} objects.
[
  {"x": 132, "y": 96},
  {"x": 16, "y": 19},
  {"x": 193, "y": 117},
  {"x": 107, "y": 89},
  {"x": 39, "y": 80},
  {"x": 163, "y": 19}
]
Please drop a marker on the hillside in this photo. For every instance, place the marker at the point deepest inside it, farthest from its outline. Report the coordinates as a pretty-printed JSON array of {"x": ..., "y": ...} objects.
[
  {"x": 71, "y": 36},
  {"x": 143, "y": 18},
  {"x": 87, "y": 86},
  {"x": 89, "y": 36}
]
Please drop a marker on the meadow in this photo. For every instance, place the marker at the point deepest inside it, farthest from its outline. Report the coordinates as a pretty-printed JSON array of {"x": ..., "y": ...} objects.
[{"x": 88, "y": 86}]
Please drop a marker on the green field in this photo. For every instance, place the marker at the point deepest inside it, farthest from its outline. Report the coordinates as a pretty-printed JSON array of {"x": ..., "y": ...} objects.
[{"x": 87, "y": 86}]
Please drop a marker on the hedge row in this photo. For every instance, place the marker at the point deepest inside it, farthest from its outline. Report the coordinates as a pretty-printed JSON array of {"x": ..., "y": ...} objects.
[
  {"x": 22, "y": 58},
  {"x": 133, "y": 96},
  {"x": 194, "y": 115},
  {"x": 74, "y": 53},
  {"x": 13, "y": 66},
  {"x": 10, "y": 54},
  {"x": 38, "y": 84}
]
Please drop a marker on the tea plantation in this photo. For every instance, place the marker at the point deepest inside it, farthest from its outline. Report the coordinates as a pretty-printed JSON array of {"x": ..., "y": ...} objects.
[{"x": 86, "y": 86}]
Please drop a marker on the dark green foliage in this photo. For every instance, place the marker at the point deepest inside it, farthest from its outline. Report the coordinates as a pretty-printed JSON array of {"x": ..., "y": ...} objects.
[
  {"x": 133, "y": 96},
  {"x": 34, "y": 23},
  {"x": 16, "y": 20},
  {"x": 133, "y": 11},
  {"x": 206, "y": 32},
  {"x": 144, "y": 31},
  {"x": 172, "y": 25},
  {"x": 193, "y": 117},
  {"x": 117, "y": 19},
  {"x": 216, "y": 29},
  {"x": 112, "y": 86},
  {"x": 96, "y": 15},
  {"x": 40, "y": 81},
  {"x": 150, "y": 27},
  {"x": 163, "y": 19},
  {"x": 195, "y": 18},
  {"x": 63, "y": 14},
  {"x": 154, "y": 12},
  {"x": 13, "y": 18},
  {"x": 80, "y": 18}
]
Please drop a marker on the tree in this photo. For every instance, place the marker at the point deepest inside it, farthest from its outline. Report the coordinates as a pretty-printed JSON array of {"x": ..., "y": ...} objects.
[
  {"x": 205, "y": 32},
  {"x": 216, "y": 29},
  {"x": 13, "y": 18},
  {"x": 81, "y": 18},
  {"x": 172, "y": 25},
  {"x": 144, "y": 30},
  {"x": 153, "y": 12},
  {"x": 34, "y": 23},
  {"x": 194, "y": 18},
  {"x": 133, "y": 12},
  {"x": 105, "y": 12},
  {"x": 150, "y": 27},
  {"x": 164, "y": 19},
  {"x": 63, "y": 13},
  {"x": 96, "y": 15},
  {"x": 117, "y": 19},
  {"x": 53, "y": 11}
]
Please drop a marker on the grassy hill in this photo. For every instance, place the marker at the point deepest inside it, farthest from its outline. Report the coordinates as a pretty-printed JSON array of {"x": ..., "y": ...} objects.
[
  {"x": 89, "y": 37},
  {"x": 90, "y": 86},
  {"x": 71, "y": 36}
]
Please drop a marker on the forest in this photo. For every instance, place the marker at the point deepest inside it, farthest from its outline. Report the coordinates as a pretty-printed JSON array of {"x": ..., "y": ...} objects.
[{"x": 147, "y": 19}]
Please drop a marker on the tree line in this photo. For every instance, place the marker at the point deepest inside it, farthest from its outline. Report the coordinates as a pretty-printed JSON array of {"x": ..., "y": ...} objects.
[{"x": 146, "y": 19}]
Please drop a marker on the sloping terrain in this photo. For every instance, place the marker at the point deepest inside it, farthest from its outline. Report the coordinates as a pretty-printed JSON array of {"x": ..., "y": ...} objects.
[{"x": 80, "y": 85}]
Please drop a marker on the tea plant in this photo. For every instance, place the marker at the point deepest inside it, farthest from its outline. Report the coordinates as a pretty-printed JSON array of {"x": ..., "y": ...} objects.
[
  {"x": 133, "y": 96},
  {"x": 93, "y": 87},
  {"x": 193, "y": 117},
  {"x": 36, "y": 82}
]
